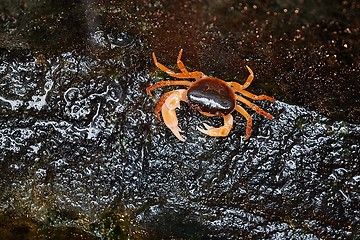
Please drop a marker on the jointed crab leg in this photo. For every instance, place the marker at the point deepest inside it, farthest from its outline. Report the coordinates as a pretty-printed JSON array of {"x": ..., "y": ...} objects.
[
  {"x": 222, "y": 131},
  {"x": 243, "y": 112},
  {"x": 167, "y": 83},
  {"x": 181, "y": 64},
  {"x": 241, "y": 88},
  {"x": 238, "y": 88},
  {"x": 168, "y": 111},
  {"x": 249, "y": 79},
  {"x": 253, "y": 106},
  {"x": 184, "y": 73}
]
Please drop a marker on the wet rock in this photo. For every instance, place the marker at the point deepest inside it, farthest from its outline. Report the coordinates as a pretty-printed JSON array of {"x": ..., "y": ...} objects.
[{"x": 83, "y": 156}]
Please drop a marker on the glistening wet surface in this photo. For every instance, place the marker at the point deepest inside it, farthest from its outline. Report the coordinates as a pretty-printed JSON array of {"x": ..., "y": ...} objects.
[{"x": 84, "y": 157}]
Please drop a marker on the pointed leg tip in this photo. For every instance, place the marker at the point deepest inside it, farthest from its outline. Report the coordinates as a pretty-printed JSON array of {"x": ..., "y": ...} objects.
[
  {"x": 180, "y": 54},
  {"x": 269, "y": 116},
  {"x": 158, "y": 117},
  {"x": 154, "y": 57},
  {"x": 271, "y": 99},
  {"x": 249, "y": 69},
  {"x": 148, "y": 91}
]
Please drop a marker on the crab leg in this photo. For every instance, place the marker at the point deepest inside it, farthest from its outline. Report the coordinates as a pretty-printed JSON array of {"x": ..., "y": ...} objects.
[
  {"x": 167, "y": 83},
  {"x": 238, "y": 87},
  {"x": 181, "y": 64},
  {"x": 168, "y": 111},
  {"x": 253, "y": 106},
  {"x": 249, "y": 79},
  {"x": 184, "y": 73},
  {"x": 243, "y": 112},
  {"x": 221, "y": 131}
]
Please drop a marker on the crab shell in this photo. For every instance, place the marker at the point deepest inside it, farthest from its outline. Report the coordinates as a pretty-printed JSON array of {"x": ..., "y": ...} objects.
[{"x": 211, "y": 95}]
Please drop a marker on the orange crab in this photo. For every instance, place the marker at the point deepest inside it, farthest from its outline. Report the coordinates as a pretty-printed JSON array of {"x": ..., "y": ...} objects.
[{"x": 208, "y": 95}]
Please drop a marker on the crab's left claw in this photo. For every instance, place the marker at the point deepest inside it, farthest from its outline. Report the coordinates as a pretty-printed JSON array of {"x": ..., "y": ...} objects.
[
  {"x": 171, "y": 122},
  {"x": 169, "y": 114},
  {"x": 221, "y": 131}
]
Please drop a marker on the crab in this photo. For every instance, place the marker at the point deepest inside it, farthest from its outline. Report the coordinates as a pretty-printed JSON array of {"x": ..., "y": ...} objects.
[{"x": 208, "y": 95}]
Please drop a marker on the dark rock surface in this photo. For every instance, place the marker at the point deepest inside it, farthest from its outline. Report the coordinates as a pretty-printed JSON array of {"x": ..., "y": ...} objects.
[{"x": 82, "y": 155}]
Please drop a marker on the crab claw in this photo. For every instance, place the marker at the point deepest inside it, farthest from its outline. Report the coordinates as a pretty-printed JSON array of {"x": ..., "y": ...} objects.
[
  {"x": 171, "y": 121},
  {"x": 221, "y": 131},
  {"x": 169, "y": 114},
  {"x": 208, "y": 127}
]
